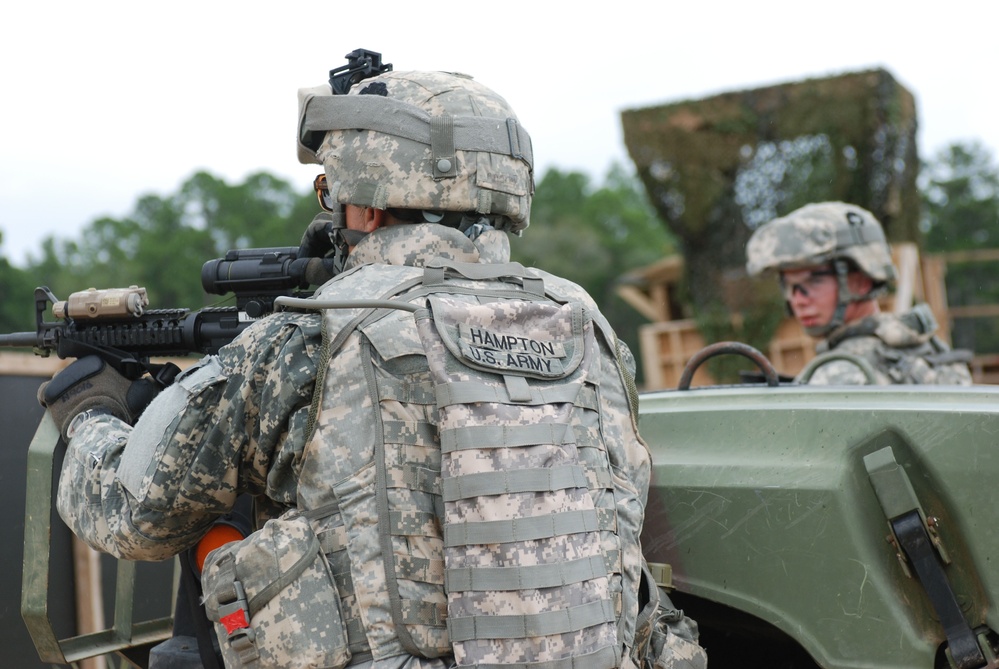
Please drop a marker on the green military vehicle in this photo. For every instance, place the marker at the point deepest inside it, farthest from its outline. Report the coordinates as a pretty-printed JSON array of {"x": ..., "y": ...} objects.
[
  {"x": 834, "y": 527},
  {"x": 800, "y": 526}
]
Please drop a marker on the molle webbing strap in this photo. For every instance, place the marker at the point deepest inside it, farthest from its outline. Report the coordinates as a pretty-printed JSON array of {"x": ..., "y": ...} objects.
[
  {"x": 597, "y": 465},
  {"x": 410, "y": 432},
  {"x": 410, "y": 523},
  {"x": 587, "y": 398},
  {"x": 393, "y": 117},
  {"x": 502, "y": 436},
  {"x": 424, "y": 570},
  {"x": 522, "y": 578},
  {"x": 424, "y": 613},
  {"x": 587, "y": 439},
  {"x": 406, "y": 391},
  {"x": 855, "y": 235},
  {"x": 608, "y": 656},
  {"x": 333, "y": 543},
  {"x": 570, "y": 619},
  {"x": 435, "y": 270},
  {"x": 322, "y": 511},
  {"x": 469, "y": 392},
  {"x": 546, "y": 479},
  {"x": 394, "y": 522},
  {"x": 442, "y": 146},
  {"x": 225, "y": 592},
  {"x": 517, "y": 388},
  {"x": 513, "y": 133},
  {"x": 521, "y": 529},
  {"x": 419, "y": 478}
]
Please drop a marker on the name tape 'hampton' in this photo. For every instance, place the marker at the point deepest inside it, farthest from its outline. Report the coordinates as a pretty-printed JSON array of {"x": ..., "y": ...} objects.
[{"x": 511, "y": 352}]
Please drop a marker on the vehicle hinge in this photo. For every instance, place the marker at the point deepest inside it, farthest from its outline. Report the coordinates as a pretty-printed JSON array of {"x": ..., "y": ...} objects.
[{"x": 918, "y": 546}]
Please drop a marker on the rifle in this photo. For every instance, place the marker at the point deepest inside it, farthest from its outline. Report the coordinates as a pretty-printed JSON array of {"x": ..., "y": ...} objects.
[{"x": 116, "y": 325}]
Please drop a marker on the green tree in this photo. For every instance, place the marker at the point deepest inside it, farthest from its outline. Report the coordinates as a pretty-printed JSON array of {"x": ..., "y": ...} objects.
[
  {"x": 588, "y": 234},
  {"x": 592, "y": 235},
  {"x": 163, "y": 243},
  {"x": 152, "y": 247},
  {"x": 255, "y": 213},
  {"x": 960, "y": 192},
  {"x": 17, "y": 289}
]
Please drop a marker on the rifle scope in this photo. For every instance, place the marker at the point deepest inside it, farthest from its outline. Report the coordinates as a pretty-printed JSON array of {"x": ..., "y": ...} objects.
[
  {"x": 255, "y": 271},
  {"x": 257, "y": 276}
]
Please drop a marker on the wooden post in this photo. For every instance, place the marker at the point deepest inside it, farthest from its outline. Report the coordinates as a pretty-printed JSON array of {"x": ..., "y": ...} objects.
[{"x": 89, "y": 596}]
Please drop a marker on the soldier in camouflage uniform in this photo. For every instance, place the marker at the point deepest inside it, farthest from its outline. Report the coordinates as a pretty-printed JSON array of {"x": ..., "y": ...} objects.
[
  {"x": 330, "y": 418},
  {"x": 833, "y": 263}
]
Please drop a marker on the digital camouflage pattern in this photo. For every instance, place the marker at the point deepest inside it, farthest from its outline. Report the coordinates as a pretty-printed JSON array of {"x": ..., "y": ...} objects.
[
  {"x": 240, "y": 422},
  {"x": 233, "y": 423},
  {"x": 817, "y": 234},
  {"x": 677, "y": 652},
  {"x": 900, "y": 349},
  {"x": 288, "y": 599},
  {"x": 423, "y": 141},
  {"x": 523, "y": 550},
  {"x": 377, "y": 422}
]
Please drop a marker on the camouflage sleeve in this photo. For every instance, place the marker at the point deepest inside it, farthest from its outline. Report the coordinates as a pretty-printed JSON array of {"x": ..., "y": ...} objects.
[{"x": 233, "y": 423}]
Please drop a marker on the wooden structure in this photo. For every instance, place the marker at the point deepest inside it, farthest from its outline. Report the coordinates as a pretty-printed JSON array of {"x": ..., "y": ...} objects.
[
  {"x": 717, "y": 167},
  {"x": 668, "y": 343}
]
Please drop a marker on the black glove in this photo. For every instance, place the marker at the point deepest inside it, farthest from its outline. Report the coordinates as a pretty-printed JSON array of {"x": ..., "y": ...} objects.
[
  {"x": 90, "y": 383},
  {"x": 323, "y": 242},
  {"x": 317, "y": 240}
]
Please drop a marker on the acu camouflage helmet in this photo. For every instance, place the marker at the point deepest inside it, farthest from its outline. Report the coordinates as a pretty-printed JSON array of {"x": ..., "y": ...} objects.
[
  {"x": 426, "y": 141},
  {"x": 822, "y": 233}
]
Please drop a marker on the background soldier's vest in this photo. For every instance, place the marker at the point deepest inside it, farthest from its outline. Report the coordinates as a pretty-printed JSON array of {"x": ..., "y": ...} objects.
[
  {"x": 923, "y": 360},
  {"x": 526, "y": 548}
]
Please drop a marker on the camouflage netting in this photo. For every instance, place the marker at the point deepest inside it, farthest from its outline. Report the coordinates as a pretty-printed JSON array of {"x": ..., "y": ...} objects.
[{"x": 718, "y": 167}]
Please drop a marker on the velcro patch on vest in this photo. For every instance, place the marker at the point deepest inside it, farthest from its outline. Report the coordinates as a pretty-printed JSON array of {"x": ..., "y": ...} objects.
[
  {"x": 523, "y": 337},
  {"x": 508, "y": 352}
]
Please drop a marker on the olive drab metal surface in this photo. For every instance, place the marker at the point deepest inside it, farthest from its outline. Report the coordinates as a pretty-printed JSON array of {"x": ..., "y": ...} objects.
[
  {"x": 858, "y": 522},
  {"x": 125, "y": 633}
]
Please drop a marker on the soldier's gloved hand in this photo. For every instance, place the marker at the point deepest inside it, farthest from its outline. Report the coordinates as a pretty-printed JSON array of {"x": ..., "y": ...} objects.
[
  {"x": 91, "y": 383},
  {"x": 317, "y": 240}
]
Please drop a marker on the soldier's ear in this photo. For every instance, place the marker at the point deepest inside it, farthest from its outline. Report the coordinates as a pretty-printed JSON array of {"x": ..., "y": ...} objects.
[
  {"x": 859, "y": 283},
  {"x": 375, "y": 218},
  {"x": 364, "y": 219}
]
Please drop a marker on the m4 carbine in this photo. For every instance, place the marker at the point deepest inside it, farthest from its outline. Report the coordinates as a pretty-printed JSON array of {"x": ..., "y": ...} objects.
[{"x": 116, "y": 325}]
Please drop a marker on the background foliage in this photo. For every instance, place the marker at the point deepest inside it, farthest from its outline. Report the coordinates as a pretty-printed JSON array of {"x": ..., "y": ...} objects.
[
  {"x": 590, "y": 233},
  {"x": 960, "y": 191}
]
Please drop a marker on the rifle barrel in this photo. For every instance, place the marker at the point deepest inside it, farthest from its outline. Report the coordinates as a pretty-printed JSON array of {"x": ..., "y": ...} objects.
[{"x": 19, "y": 339}]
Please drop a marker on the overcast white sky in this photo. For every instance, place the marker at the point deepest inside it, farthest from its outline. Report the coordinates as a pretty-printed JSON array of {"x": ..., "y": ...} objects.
[{"x": 104, "y": 101}]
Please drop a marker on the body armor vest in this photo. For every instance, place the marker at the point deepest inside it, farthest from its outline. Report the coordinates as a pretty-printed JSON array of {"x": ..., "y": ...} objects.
[{"x": 475, "y": 475}]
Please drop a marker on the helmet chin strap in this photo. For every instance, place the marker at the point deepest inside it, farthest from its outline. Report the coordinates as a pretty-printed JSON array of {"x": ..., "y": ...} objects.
[
  {"x": 470, "y": 226},
  {"x": 844, "y": 297},
  {"x": 340, "y": 239}
]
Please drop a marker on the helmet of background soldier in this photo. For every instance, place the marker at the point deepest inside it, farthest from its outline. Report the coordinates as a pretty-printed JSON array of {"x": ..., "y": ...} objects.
[
  {"x": 436, "y": 144},
  {"x": 822, "y": 233}
]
